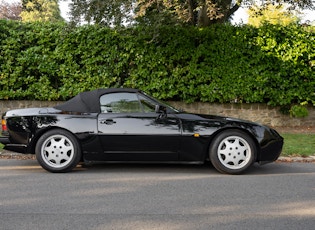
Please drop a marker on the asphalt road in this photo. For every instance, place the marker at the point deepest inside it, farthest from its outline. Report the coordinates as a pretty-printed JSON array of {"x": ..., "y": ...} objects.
[{"x": 183, "y": 197}]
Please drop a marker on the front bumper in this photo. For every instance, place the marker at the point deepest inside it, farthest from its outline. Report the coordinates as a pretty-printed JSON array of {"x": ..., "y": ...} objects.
[{"x": 271, "y": 152}]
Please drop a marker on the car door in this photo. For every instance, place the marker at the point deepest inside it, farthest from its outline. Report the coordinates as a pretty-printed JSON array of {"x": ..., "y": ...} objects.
[{"x": 130, "y": 130}]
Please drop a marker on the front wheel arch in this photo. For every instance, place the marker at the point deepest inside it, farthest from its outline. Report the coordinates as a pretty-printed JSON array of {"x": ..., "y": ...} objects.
[{"x": 242, "y": 152}]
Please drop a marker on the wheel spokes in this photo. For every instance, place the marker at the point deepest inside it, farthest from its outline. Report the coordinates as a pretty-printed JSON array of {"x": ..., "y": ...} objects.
[
  {"x": 233, "y": 152},
  {"x": 58, "y": 151}
]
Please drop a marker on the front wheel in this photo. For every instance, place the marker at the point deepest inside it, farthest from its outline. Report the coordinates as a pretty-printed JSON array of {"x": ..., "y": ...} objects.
[
  {"x": 58, "y": 151},
  {"x": 232, "y": 152}
]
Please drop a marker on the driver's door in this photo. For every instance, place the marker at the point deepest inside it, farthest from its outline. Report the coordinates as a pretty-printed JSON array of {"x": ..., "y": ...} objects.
[{"x": 130, "y": 129}]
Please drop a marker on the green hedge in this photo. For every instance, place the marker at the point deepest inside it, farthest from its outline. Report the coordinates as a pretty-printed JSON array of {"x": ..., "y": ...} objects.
[{"x": 223, "y": 63}]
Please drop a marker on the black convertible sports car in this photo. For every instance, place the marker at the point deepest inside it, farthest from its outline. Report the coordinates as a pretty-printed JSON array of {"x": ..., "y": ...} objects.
[{"x": 128, "y": 125}]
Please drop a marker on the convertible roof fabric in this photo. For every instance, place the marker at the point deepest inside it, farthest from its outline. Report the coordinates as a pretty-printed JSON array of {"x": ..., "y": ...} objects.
[{"x": 89, "y": 102}]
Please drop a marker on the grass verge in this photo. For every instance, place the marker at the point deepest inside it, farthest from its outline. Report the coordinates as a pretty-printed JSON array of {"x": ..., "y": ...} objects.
[{"x": 298, "y": 145}]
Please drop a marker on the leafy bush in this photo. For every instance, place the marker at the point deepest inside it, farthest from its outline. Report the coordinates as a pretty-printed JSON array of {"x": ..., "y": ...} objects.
[
  {"x": 270, "y": 64},
  {"x": 298, "y": 111}
]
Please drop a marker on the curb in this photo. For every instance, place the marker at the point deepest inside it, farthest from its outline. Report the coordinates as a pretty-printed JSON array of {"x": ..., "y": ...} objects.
[
  {"x": 309, "y": 159},
  {"x": 5, "y": 154}
]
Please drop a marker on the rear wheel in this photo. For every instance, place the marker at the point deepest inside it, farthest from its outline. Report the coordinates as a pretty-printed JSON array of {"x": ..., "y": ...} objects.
[
  {"x": 232, "y": 152},
  {"x": 58, "y": 151}
]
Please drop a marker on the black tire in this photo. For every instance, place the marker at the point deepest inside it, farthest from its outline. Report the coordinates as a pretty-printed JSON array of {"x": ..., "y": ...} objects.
[
  {"x": 58, "y": 151},
  {"x": 232, "y": 152}
]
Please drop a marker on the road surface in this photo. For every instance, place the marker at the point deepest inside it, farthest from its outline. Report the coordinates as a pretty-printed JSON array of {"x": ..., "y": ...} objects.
[{"x": 135, "y": 196}]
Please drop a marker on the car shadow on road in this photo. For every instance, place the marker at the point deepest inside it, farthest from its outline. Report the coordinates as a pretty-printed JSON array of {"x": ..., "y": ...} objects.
[{"x": 147, "y": 168}]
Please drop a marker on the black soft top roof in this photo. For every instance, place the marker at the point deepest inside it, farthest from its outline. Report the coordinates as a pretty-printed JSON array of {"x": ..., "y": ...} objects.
[{"x": 89, "y": 102}]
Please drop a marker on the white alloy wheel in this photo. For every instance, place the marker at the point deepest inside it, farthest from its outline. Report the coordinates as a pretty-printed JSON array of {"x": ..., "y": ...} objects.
[
  {"x": 58, "y": 151},
  {"x": 232, "y": 151}
]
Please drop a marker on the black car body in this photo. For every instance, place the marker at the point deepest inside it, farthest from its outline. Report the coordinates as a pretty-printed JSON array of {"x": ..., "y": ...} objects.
[{"x": 128, "y": 125}]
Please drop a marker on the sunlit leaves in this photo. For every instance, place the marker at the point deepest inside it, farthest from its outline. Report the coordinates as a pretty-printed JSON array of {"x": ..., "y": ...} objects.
[
  {"x": 41, "y": 10},
  {"x": 275, "y": 14}
]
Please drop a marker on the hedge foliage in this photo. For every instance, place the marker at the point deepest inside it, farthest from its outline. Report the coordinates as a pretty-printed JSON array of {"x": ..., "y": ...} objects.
[{"x": 223, "y": 63}]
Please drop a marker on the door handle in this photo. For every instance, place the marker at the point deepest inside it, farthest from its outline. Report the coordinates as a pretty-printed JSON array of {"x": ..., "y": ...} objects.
[{"x": 108, "y": 122}]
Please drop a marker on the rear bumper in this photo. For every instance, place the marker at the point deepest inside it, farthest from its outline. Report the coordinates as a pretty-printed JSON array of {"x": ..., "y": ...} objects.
[
  {"x": 4, "y": 140},
  {"x": 20, "y": 148}
]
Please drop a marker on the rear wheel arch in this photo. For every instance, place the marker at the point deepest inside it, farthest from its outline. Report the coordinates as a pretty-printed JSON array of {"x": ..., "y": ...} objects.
[{"x": 41, "y": 132}]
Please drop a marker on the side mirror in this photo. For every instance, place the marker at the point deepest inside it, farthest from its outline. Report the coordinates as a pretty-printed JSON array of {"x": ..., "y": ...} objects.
[{"x": 160, "y": 109}]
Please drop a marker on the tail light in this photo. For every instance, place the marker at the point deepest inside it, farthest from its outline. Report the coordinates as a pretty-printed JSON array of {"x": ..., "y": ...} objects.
[{"x": 4, "y": 125}]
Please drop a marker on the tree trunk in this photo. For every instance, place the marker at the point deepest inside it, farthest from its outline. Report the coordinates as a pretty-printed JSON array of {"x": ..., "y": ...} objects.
[
  {"x": 193, "y": 15},
  {"x": 224, "y": 11}
]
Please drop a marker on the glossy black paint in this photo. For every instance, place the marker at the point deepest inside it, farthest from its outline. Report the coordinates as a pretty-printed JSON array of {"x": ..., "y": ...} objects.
[{"x": 151, "y": 136}]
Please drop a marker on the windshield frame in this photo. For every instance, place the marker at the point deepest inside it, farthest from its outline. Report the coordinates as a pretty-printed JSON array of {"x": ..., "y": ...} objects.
[{"x": 170, "y": 109}]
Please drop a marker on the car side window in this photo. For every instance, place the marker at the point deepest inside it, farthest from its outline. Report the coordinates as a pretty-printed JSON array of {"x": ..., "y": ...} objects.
[
  {"x": 147, "y": 105},
  {"x": 120, "y": 103}
]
